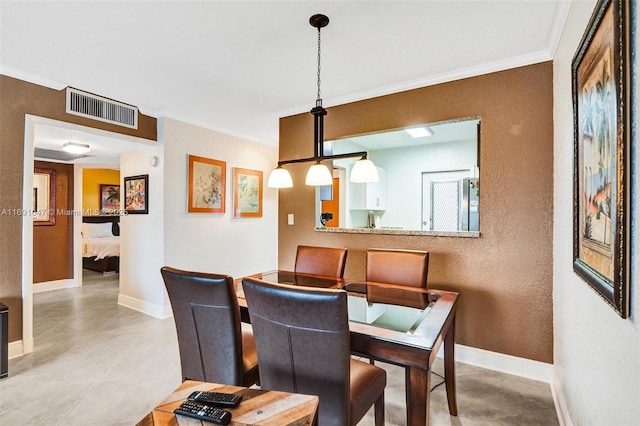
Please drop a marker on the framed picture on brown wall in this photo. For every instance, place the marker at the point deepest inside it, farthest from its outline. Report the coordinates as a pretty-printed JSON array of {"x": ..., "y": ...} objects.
[
  {"x": 602, "y": 137},
  {"x": 136, "y": 194},
  {"x": 44, "y": 197}
]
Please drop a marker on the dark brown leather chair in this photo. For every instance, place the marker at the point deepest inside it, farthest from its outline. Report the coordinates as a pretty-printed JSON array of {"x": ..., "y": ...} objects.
[
  {"x": 400, "y": 267},
  {"x": 326, "y": 261},
  {"x": 303, "y": 341},
  {"x": 214, "y": 345}
]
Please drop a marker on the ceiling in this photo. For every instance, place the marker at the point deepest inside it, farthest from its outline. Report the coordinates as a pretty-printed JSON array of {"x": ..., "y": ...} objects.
[
  {"x": 237, "y": 66},
  {"x": 449, "y": 131}
]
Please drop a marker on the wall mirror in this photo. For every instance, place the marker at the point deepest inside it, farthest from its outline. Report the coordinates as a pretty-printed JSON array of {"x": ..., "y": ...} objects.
[
  {"x": 43, "y": 206},
  {"x": 429, "y": 182}
]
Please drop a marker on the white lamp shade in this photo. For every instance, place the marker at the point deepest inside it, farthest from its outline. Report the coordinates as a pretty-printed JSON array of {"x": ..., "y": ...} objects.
[
  {"x": 364, "y": 171},
  {"x": 76, "y": 148},
  {"x": 319, "y": 175},
  {"x": 280, "y": 178}
]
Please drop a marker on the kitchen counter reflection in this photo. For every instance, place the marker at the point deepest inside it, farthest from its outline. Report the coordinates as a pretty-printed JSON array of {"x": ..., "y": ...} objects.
[{"x": 388, "y": 231}]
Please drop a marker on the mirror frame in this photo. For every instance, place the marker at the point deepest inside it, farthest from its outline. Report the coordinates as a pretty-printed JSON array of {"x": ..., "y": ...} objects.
[{"x": 45, "y": 215}]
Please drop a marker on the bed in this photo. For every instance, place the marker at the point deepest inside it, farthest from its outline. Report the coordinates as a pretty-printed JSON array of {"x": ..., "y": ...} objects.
[{"x": 101, "y": 243}]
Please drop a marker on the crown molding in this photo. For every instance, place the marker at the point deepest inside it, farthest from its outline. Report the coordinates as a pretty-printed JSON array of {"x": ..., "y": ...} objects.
[
  {"x": 32, "y": 78},
  {"x": 488, "y": 68}
]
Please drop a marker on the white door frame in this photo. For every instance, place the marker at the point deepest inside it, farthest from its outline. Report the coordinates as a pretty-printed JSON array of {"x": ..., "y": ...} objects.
[{"x": 30, "y": 123}]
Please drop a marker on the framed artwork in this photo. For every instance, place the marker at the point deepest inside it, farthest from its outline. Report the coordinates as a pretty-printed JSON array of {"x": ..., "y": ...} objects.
[
  {"x": 207, "y": 183},
  {"x": 602, "y": 138},
  {"x": 44, "y": 197},
  {"x": 136, "y": 194},
  {"x": 247, "y": 193},
  {"x": 109, "y": 198}
]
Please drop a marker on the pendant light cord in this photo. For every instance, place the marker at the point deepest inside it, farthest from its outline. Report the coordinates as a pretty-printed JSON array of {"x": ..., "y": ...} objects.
[{"x": 318, "y": 99}]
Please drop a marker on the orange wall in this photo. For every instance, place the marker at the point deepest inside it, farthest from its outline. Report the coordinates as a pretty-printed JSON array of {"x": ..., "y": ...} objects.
[
  {"x": 505, "y": 276},
  {"x": 91, "y": 180}
]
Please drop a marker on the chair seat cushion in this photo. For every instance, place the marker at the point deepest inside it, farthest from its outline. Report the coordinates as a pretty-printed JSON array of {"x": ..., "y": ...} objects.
[{"x": 367, "y": 383}]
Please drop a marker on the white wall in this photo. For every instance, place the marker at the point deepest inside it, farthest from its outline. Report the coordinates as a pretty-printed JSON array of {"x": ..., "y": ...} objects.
[
  {"x": 216, "y": 242},
  {"x": 142, "y": 239},
  {"x": 404, "y": 168},
  {"x": 596, "y": 353},
  {"x": 404, "y": 176}
]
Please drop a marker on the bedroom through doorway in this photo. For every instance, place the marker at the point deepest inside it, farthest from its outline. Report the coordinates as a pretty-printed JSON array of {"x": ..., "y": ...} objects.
[{"x": 44, "y": 139}]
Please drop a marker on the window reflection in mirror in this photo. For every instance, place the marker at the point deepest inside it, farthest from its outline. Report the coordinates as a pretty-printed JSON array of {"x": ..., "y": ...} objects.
[{"x": 428, "y": 182}]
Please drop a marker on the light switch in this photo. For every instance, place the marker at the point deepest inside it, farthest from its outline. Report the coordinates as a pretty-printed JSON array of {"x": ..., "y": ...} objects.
[{"x": 290, "y": 219}]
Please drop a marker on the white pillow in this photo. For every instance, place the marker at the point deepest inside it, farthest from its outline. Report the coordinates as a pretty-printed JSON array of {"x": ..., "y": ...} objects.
[{"x": 97, "y": 230}]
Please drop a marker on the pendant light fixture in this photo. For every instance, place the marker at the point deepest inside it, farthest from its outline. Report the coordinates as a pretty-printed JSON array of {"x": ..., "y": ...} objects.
[{"x": 319, "y": 174}]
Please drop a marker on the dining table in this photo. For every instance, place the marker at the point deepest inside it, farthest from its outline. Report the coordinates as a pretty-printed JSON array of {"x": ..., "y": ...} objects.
[{"x": 395, "y": 324}]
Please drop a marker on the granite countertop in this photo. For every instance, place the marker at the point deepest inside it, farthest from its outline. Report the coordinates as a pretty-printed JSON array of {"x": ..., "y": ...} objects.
[{"x": 392, "y": 231}]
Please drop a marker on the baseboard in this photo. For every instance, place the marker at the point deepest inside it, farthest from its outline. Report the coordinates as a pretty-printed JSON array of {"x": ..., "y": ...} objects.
[
  {"x": 509, "y": 364},
  {"x": 564, "y": 419},
  {"x": 147, "y": 308},
  {"x": 54, "y": 285},
  {"x": 15, "y": 349}
]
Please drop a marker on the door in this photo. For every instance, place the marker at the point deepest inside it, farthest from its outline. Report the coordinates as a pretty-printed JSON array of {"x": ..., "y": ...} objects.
[
  {"x": 441, "y": 194},
  {"x": 333, "y": 206}
]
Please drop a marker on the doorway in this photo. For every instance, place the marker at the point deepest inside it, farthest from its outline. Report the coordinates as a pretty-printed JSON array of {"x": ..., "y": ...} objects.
[
  {"x": 441, "y": 195},
  {"x": 118, "y": 144}
]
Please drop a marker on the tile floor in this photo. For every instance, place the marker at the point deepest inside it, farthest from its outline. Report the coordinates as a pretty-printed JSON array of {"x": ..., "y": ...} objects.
[{"x": 97, "y": 363}]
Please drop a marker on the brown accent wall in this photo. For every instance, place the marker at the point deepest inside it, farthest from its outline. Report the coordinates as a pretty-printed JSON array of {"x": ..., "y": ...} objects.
[
  {"x": 505, "y": 276},
  {"x": 18, "y": 98},
  {"x": 51, "y": 260}
]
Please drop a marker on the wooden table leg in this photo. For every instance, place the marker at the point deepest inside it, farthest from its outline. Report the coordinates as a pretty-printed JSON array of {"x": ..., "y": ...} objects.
[
  {"x": 450, "y": 369},
  {"x": 417, "y": 385}
]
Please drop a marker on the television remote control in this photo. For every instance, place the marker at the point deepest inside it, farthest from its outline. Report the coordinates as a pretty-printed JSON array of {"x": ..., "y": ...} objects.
[
  {"x": 204, "y": 412},
  {"x": 216, "y": 398}
]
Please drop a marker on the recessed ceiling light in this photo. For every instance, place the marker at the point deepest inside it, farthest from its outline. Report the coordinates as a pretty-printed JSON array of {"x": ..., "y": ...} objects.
[
  {"x": 76, "y": 148},
  {"x": 419, "y": 132}
]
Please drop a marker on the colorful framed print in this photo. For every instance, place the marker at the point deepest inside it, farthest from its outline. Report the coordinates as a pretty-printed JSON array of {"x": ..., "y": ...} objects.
[
  {"x": 109, "y": 198},
  {"x": 602, "y": 138},
  {"x": 207, "y": 184},
  {"x": 136, "y": 193},
  {"x": 247, "y": 193}
]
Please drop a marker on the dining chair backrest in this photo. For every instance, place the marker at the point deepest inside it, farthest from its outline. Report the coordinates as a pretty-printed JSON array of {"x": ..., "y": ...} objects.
[
  {"x": 303, "y": 342},
  {"x": 207, "y": 316},
  {"x": 401, "y": 267},
  {"x": 326, "y": 261}
]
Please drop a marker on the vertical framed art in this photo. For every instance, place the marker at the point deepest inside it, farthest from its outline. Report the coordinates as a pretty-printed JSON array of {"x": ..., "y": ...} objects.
[
  {"x": 44, "y": 197},
  {"x": 136, "y": 193},
  {"x": 109, "y": 198},
  {"x": 602, "y": 138},
  {"x": 207, "y": 185},
  {"x": 247, "y": 193}
]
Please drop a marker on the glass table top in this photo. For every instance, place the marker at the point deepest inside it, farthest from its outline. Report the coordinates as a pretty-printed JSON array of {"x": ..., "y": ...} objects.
[{"x": 392, "y": 307}]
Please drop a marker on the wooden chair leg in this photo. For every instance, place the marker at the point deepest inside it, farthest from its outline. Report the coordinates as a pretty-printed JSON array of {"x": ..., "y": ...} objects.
[{"x": 378, "y": 410}]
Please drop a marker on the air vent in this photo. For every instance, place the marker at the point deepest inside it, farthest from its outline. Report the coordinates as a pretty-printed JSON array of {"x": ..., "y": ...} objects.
[{"x": 98, "y": 108}]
